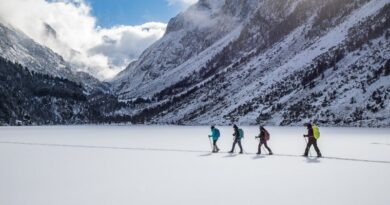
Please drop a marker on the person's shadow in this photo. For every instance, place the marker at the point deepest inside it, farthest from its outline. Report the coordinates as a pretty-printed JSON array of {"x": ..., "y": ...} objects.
[
  {"x": 313, "y": 160},
  {"x": 206, "y": 155},
  {"x": 258, "y": 157},
  {"x": 230, "y": 155}
]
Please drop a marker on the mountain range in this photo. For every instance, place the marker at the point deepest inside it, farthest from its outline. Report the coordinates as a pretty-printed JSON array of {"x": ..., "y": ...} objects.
[{"x": 273, "y": 62}]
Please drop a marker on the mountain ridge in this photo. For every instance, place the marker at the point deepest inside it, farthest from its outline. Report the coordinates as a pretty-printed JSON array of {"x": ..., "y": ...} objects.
[{"x": 282, "y": 48}]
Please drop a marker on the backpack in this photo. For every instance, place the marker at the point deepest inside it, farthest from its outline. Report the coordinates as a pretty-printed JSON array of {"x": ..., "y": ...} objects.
[
  {"x": 266, "y": 135},
  {"x": 241, "y": 133},
  {"x": 217, "y": 133},
  {"x": 316, "y": 132}
]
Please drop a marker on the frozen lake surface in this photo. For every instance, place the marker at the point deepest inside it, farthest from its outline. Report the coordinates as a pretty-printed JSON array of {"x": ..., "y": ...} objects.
[{"x": 169, "y": 165}]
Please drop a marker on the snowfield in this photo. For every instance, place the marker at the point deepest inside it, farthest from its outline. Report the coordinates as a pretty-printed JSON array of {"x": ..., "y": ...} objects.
[{"x": 169, "y": 165}]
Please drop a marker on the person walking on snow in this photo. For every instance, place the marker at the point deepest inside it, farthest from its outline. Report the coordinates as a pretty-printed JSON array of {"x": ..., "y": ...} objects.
[
  {"x": 311, "y": 141},
  {"x": 237, "y": 139},
  {"x": 215, "y": 134},
  {"x": 264, "y": 136}
]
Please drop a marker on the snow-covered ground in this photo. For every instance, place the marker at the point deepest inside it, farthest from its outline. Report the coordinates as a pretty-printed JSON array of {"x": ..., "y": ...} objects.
[{"x": 122, "y": 165}]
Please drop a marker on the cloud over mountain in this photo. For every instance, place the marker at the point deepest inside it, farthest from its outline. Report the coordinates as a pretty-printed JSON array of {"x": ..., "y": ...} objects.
[{"x": 69, "y": 28}]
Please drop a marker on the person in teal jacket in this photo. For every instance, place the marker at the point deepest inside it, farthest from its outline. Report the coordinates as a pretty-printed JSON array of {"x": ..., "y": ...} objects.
[{"x": 215, "y": 134}]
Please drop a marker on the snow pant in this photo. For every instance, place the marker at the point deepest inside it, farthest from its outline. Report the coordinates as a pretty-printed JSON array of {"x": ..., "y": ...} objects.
[
  {"x": 237, "y": 141},
  {"x": 263, "y": 142},
  {"x": 312, "y": 141},
  {"x": 215, "y": 147}
]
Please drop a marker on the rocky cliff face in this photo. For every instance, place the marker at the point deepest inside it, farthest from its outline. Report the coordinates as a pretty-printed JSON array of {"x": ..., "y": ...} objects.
[{"x": 280, "y": 62}]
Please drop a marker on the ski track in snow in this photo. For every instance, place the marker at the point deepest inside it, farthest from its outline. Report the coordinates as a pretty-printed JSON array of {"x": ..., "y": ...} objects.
[
  {"x": 171, "y": 165},
  {"x": 185, "y": 151}
]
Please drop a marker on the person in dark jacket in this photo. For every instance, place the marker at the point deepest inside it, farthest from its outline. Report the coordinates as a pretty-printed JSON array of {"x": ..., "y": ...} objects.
[
  {"x": 237, "y": 139},
  {"x": 215, "y": 134},
  {"x": 311, "y": 141},
  {"x": 264, "y": 136}
]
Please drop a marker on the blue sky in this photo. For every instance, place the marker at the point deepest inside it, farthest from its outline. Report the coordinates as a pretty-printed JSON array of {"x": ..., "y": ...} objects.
[{"x": 132, "y": 12}]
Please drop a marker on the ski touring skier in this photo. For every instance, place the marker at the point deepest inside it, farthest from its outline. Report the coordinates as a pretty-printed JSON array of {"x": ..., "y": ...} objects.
[
  {"x": 312, "y": 136},
  {"x": 264, "y": 136},
  {"x": 238, "y": 135},
  {"x": 215, "y": 134}
]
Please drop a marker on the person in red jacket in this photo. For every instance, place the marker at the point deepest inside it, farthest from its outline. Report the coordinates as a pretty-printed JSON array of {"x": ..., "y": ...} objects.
[
  {"x": 264, "y": 136},
  {"x": 311, "y": 141}
]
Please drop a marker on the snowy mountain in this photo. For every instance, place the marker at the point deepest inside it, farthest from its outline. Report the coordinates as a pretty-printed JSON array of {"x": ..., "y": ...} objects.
[
  {"x": 19, "y": 48},
  {"x": 31, "y": 98},
  {"x": 277, "y": 62},
  {"x": 201, "y": 32},
  {"x": 280, "y": 62},
  {"x": 38, "y": 87}
]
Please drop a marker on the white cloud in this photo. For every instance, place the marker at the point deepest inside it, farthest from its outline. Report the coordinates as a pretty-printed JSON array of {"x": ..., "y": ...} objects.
[
  {"x": 183, "y": 3},
  {"x": 100, "y": 51}
]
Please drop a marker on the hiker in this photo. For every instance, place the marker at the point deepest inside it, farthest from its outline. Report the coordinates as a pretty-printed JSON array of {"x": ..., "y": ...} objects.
[
  {"x": 312, "y": 140},
  {"x": 215, "y": 134},
  {"x": 264, "y": 136},
  {"x": 238, "y": 135}
]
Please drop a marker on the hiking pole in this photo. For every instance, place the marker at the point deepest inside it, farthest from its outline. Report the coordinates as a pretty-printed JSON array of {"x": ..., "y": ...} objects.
[
  {"x": 306, "y": 140},
  {"x": 211, "y": 144}
]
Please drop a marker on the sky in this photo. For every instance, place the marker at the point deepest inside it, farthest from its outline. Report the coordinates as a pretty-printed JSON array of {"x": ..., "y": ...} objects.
[
  {"x": 100, "y": 37},
  {"x": 133, "y": 12}
]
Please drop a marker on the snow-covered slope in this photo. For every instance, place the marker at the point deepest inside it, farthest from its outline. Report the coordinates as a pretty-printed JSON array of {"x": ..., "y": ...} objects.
[
  {"x": 38, "y": 87},
  {"x": 192, "y": 38},
  {"x": 17, "y": 47},
  {"x": 283, "y": 62}
]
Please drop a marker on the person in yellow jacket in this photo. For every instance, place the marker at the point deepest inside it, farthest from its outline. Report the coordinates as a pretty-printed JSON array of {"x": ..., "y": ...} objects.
[{"x": 312, "y": 140}]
